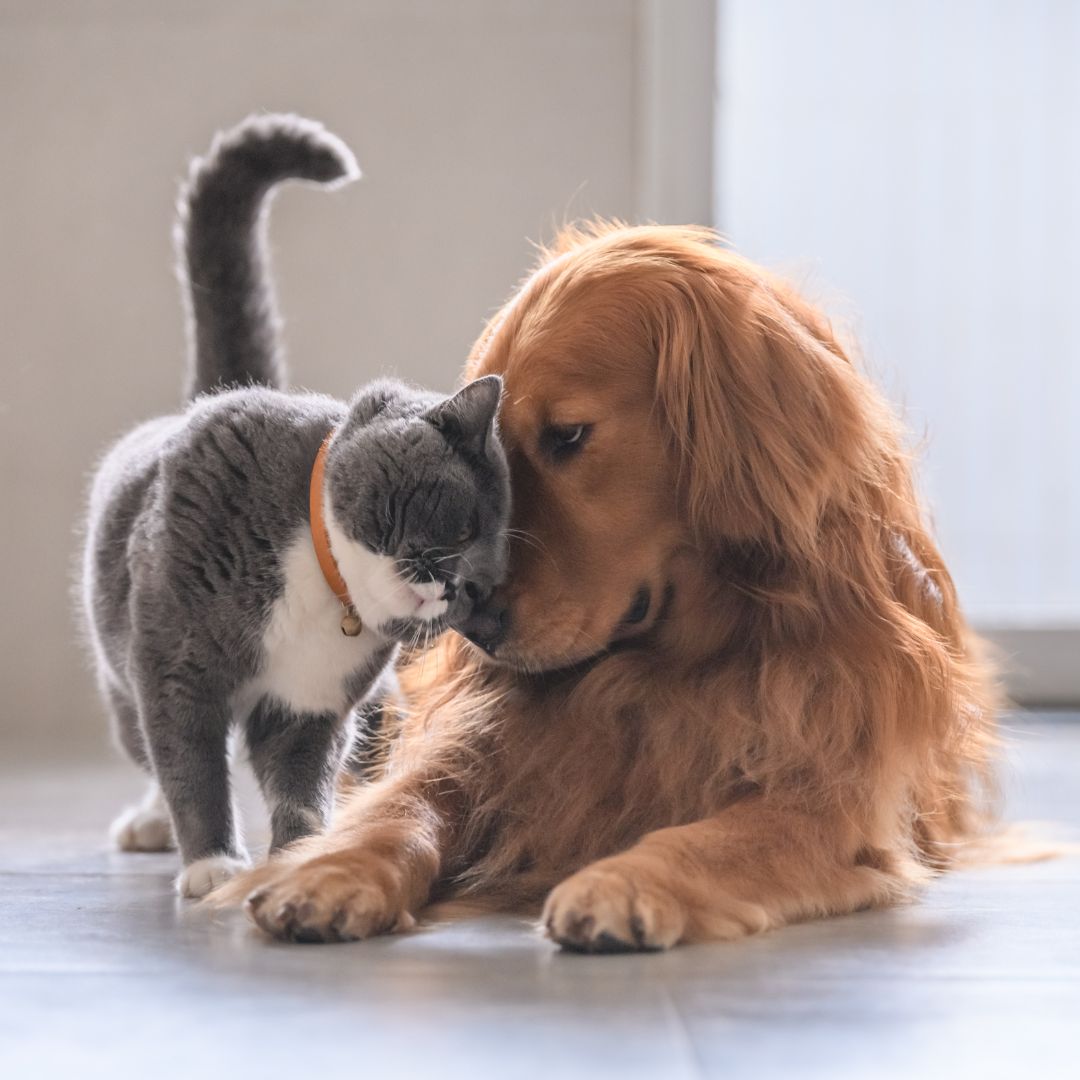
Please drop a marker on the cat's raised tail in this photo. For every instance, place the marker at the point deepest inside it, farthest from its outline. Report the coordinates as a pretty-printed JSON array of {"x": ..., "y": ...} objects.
[{"x": 234, "y": 330}]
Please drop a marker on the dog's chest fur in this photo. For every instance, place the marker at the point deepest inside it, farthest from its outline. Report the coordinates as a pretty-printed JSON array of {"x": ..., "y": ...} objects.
[{"x": 309, "y": 664}]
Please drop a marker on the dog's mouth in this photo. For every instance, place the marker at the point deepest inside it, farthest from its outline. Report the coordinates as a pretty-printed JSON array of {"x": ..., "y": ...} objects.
[
  {"x": 634, "y": 631},
  {"x": 643, "y": 618},
  {"x": 635, "y": 615}
]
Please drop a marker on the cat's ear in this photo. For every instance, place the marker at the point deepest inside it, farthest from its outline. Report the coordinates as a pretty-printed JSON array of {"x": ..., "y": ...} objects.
[{"x": 468, "y": 417}]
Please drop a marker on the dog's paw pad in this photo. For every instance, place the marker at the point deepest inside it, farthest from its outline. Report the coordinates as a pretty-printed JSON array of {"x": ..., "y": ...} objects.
[
  {"x": 204, "y": 875},
  {"x": 327, "y": 901},
  {"x": 605, "y": 943},
  {"x": 605, "y": 910}
]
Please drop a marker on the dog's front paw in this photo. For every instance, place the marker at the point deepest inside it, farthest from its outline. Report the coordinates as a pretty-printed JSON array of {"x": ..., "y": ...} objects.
[
  {"x": 199, "y": 878},
  {"x": 328, "y": 899},
  {"x": 605, "y": 909}
]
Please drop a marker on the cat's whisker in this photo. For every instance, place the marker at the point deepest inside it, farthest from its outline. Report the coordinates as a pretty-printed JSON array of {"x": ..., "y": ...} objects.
[
  {"x": 533, "y": 541},
  {"x": 529, "y": 538}
]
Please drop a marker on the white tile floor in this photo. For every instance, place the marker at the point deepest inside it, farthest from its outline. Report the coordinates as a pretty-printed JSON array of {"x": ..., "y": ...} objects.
[{"x": 103, "y": 973}]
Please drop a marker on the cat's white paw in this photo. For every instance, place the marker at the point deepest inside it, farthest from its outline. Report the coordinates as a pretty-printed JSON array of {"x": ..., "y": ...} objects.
[
  {"x": 205, "y": 875},
  {"x": 145, "y": 826}
]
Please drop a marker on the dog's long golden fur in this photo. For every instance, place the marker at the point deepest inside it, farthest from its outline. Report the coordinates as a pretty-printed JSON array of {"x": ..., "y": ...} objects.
[{"x": 800, "y": 725}]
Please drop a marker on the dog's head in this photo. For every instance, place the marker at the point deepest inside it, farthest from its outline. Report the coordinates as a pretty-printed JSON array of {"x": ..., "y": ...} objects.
[{"x": 663, "y": 399}]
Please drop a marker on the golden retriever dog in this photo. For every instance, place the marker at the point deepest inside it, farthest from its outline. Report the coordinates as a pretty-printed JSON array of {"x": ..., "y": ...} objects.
[{"x": 727, "y": 685}]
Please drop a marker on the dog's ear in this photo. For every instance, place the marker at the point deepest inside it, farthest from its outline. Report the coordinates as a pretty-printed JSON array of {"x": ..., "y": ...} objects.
[{"x": 769, "y": 420}]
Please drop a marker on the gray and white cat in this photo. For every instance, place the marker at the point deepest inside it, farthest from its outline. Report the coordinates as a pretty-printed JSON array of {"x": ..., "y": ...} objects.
[{"x": 206, "y": 604}]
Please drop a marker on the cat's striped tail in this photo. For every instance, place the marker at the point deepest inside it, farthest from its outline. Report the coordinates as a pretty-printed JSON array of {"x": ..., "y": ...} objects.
[{"x": 234, "y": 330}]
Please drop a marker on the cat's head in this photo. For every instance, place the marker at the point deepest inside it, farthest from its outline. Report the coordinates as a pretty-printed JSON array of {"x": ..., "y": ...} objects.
[{"x": 419, "y": 497}]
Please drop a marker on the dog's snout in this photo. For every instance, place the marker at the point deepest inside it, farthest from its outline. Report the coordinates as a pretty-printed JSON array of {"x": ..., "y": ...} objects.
[{"x": 487, "y": 625}]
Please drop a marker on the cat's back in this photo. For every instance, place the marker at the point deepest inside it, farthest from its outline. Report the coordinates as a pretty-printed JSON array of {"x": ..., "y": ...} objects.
[
  {"x": 218, "y": 485},
  {"x": 237, "y": 472},
  {"x": 235, "y": 423},
  {"x": 234, "y": 439}
]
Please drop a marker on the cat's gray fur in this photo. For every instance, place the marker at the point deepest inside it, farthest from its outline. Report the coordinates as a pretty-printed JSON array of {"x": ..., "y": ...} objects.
[{"x": 198, "y": 556}]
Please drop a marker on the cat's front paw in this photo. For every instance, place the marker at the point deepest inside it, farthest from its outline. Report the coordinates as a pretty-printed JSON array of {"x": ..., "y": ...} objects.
[
  {"x": 329, "y": 899},
  {"x": 204, "y": 875}
]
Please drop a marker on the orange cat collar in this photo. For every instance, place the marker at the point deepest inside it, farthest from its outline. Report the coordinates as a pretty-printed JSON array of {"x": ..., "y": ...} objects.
[{"x": 320, "y": 538}]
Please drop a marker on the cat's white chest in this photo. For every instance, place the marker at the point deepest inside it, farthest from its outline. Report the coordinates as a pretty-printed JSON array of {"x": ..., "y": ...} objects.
[{"x": 307, "y": 657}]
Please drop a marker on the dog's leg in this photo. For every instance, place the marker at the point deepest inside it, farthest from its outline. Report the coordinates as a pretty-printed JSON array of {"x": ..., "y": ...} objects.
[
  {"x": 367, "y": 875},
  {"x": 753, "y": 867}
]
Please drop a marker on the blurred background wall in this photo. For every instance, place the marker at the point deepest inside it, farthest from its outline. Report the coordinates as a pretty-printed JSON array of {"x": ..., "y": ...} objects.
[
  {"x": 479, "y": 124},
  {"x": 916, "y": 166}
]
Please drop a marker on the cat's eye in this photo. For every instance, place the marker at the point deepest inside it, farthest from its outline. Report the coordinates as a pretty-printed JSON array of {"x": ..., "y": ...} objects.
[
  {"x": 386, "y": 525},
  {"x": 469, "y": 532},
  {"x": 561, "y": 441}
]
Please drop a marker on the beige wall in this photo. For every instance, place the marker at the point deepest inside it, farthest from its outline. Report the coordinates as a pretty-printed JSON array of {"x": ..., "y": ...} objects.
[{"x": 479, "y": 124}]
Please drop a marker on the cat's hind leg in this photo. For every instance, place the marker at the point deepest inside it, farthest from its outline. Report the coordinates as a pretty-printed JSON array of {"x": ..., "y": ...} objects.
[
  {"x": 296, "y": 757},
  {"x": 145, "y": 825}
]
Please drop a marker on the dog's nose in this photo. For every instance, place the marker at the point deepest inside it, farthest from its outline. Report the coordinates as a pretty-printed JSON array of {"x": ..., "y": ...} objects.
[
  {"x": 476, "y": 592},
  {"x": 487, "y": 626}
]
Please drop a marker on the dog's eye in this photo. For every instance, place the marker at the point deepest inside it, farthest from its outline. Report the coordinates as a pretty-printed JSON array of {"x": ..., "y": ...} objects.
[{"x": 561, "y": 441}]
